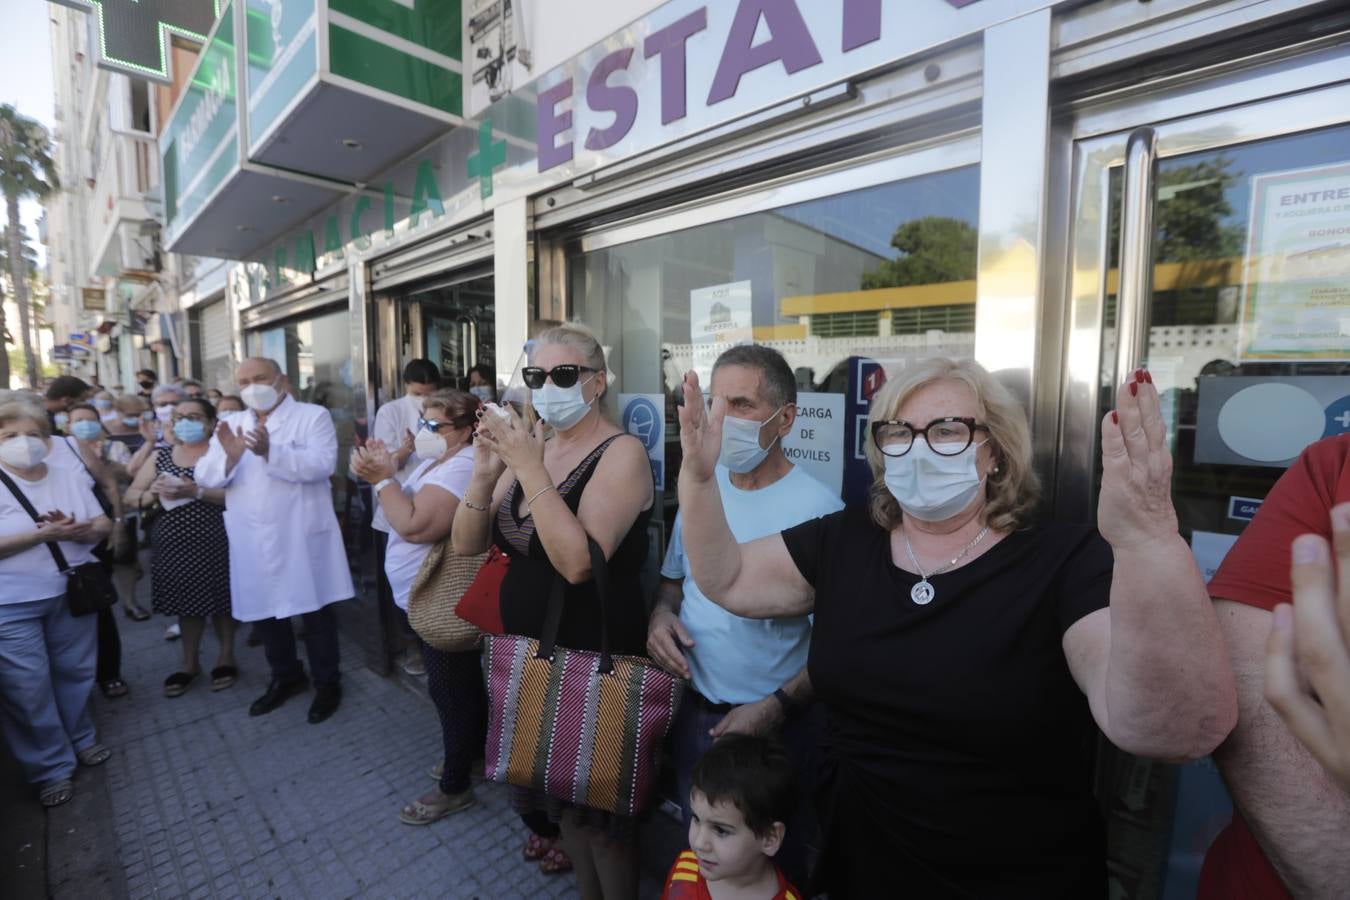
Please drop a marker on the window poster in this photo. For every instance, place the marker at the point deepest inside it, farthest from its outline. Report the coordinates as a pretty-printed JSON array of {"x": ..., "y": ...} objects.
[
  {"x": 719, "y": 317},
  {"x": 1296, "y": 280}
]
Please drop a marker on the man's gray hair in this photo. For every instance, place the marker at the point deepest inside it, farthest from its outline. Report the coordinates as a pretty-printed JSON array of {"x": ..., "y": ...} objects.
[{"x": 779, "y": 384}]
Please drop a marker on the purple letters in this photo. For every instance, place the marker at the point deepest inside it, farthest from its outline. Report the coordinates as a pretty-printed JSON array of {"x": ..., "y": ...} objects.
[
  {"x": 670, "y": 42},
  {"x": 790, "y": 42},
  {"x": 620, "y": 100},
  {"x": 862, "y": 23},
  {"x": 553, "y": 123}
]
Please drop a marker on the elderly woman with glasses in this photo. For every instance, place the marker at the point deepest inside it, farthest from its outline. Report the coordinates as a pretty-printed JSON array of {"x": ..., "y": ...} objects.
[
  {"x": 963, "y": 651},
  {"x": 190, "y": 568}
]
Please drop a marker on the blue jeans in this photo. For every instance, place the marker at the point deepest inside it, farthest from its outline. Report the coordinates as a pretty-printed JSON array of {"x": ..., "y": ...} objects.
[
  {"x": 690, "y": 740},
  {"x": 47, "y": 659}
]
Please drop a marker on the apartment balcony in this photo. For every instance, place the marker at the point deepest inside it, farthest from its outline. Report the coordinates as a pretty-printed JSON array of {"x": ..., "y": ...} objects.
[{"x": 122, "y": 225}]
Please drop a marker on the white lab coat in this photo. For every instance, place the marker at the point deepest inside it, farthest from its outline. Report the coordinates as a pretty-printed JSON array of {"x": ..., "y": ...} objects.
[
  {"x": 286, "y": 551},
  {"x": 393, "y": 421}
]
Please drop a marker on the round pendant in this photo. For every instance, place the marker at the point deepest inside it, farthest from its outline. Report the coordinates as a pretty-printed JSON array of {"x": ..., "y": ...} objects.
[{"x": 922, "y": 593}]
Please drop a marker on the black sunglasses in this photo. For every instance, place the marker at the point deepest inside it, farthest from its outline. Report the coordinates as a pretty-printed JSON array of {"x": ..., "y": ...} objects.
[{"x": 564, "y": 376}]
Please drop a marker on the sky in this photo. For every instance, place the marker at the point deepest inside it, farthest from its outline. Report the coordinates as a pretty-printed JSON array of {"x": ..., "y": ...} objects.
[{"x": 26, "y": 74}]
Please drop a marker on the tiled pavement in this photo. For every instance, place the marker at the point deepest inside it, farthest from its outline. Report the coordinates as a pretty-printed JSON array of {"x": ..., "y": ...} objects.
[{"x": 209, "y": 802}]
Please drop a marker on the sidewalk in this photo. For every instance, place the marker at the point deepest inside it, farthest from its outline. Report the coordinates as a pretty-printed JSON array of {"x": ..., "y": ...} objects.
[{"x": 208, "y": 802}]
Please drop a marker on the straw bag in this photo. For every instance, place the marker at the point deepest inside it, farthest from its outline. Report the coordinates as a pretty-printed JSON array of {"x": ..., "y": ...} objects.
[{"x": 435, "y": 594}]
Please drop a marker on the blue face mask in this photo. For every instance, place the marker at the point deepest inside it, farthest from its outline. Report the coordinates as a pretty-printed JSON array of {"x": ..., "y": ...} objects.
[
  {"x": 188, "y": 431},
  {"x": 86, "y": 430},
  {"x": 131, "y": 421}
]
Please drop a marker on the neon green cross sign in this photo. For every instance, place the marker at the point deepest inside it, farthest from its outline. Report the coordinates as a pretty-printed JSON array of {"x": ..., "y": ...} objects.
[{"x": 490, "y": 155}]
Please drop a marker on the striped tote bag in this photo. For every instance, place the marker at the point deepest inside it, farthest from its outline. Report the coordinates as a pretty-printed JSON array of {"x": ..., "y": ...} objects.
[{"x": 580, "y": 726}]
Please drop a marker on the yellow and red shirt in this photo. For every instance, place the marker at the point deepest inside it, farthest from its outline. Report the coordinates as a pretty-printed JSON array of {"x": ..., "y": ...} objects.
[{"x": 686, "y": 882}]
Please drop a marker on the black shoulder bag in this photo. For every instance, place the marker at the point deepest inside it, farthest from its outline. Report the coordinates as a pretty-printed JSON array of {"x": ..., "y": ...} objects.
[{"x": 89, "y": 587}]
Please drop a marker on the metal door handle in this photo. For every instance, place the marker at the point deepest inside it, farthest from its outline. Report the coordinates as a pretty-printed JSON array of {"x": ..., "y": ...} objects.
[{"x": 1134, "y": 287}]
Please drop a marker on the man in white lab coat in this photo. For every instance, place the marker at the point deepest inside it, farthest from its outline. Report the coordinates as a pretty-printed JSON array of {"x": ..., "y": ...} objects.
[{"x": 275, "y": 461}]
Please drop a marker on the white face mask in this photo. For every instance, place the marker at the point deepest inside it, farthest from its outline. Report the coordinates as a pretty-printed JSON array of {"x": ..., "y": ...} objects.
[
  {"x": 429, "y": 445},
  {"x": 930, "y": 486},
  {"x": 23, "y": 452},
  {"x": 259, "y": 397},
  {"x": 164, "y": 412},
  {"x": 561, "y": 408},
  {"x": 741, "y": 451}
]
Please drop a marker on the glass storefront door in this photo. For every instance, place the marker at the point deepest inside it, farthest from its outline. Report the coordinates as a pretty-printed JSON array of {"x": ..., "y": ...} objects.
[{"x": 1246, "y": 330}]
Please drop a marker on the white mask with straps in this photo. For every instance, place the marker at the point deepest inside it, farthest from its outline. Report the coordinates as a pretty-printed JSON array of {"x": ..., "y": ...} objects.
[{"x": 930, "y": 486}]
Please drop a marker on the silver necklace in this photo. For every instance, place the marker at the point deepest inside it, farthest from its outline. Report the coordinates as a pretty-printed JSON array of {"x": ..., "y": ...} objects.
[{"x": 924, "y": 592}]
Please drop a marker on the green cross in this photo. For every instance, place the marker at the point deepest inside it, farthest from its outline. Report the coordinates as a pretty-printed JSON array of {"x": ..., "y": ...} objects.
[{"x": 490, "y": 155}]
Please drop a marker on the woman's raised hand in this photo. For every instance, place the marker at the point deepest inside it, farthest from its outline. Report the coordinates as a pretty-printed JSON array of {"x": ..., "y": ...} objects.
[
  {"x": 1135, "y": 506},
  {"x": 700, "y": 431},
  {"x": 510, "y": 439}
]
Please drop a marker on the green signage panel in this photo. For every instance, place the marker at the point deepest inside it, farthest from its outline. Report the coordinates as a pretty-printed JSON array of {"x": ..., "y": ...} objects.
[{"x": 133, "y": 35}]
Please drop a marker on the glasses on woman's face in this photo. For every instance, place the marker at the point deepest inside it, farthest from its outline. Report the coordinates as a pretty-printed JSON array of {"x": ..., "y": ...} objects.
[
  {"x": 564, "y": 376},
  {"x": 433, "y": 425},
  {"x": 949, "y": 436}
]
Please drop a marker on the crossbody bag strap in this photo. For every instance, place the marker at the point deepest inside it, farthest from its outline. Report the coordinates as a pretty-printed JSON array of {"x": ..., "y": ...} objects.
[{"x": 57, "y": 556}]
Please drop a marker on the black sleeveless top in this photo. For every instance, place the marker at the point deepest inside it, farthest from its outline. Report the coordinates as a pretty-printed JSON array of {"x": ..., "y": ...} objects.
[{"x": 525, "y": 590}]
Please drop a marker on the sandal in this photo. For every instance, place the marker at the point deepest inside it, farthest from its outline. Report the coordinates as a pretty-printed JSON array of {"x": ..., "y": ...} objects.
[
  {"x": 555, "y": 862},
  {"x": 113, "y": 687},
  {"x": 536, "y": 847},
  {"x": 421, "y": 812},
  {"x": 177, "y": 683},
  {"x": 437, "y": 771},
  {"x": 135, "y": 613},
  {"x": 93, "y": 755},
  {"x": 56, "y": 792},
  {"x": 222, "y": 677}
]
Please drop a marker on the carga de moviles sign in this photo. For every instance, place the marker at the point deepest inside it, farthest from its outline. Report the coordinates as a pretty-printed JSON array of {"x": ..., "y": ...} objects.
[{"x": 690, "y": 66}]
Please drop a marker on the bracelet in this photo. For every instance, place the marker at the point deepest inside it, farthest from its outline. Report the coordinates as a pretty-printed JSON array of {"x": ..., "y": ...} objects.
[
  {"x": 530, "y": 502},
  {"x": 471, "y": 505},
  {"x": 200, "y": 491},
  {"x": 790, "y": 707},
  {"x": 382, "y": 484}
]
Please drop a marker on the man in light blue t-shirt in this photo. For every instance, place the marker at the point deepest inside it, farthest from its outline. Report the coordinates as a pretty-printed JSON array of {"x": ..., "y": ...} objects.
[{"x": 746, "y": 675}]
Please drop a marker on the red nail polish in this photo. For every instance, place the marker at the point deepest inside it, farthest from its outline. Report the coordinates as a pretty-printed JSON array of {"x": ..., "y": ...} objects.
[
  {"x": 1138, "y": 376},
  {"x": 1115, "y": 417},
  {"x": 1134, "y": 388}
]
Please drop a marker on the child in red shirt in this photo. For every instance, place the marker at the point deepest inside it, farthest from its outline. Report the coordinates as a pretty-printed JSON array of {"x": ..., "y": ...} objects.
[{"x": 743, "y": 791}]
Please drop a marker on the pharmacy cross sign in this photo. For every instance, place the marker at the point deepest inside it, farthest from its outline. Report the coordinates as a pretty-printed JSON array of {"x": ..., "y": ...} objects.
[
  {"x": 490, "y": 155},
  {"x": 133, "y": 35}
]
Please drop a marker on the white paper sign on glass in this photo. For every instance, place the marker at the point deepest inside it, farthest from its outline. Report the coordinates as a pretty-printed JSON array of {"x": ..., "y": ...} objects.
[
  {"x": 720, "y": 317},
  {"x": 816, "y": 442}
]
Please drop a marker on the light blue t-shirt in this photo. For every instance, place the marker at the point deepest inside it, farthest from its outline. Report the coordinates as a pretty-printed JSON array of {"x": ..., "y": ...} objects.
[{"x": 738, "y": 660}]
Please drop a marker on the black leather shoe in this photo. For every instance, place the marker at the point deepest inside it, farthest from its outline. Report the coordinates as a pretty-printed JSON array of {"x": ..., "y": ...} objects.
[
  {"x": 326, "y": 700},
  {"x": 278, "y": 691}
]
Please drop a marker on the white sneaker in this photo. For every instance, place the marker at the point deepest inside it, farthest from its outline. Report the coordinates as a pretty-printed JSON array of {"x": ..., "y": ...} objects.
[{"x": 173, "y": 632}]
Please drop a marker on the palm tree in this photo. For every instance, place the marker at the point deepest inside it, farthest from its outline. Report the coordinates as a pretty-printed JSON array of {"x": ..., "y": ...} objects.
[{"x": 26, "y": 170}]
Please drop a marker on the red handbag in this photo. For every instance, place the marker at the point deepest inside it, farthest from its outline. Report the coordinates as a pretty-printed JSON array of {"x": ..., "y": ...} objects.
[{"x": 481, "y": 605}]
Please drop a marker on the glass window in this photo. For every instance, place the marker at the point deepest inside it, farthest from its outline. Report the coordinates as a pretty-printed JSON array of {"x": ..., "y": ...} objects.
[{"x": 841, "y": 285}]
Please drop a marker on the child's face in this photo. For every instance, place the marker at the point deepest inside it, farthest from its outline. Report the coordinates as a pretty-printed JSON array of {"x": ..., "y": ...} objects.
[{"x": 725, "y": 846}]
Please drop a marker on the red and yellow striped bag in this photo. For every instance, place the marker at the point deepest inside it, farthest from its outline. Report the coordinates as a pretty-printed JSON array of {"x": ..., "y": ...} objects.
[{"x": 581, "y": 726}]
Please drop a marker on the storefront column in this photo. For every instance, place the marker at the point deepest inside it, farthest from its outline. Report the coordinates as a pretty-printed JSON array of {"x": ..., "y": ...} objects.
[
  {"x": 1013, "y": 167},
  {"x": 510, "y": 237}
]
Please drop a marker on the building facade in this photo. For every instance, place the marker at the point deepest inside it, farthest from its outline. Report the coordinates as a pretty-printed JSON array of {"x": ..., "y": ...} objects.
[{"x": 1060, "y": 190}]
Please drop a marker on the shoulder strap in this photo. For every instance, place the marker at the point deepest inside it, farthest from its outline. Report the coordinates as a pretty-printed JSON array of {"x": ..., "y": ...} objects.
[
  {"x": 57, "y": 556},
  {"x": 548, "y": 638}
]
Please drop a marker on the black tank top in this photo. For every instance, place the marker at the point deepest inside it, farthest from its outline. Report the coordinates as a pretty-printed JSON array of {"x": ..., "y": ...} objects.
[{"x": 530, "y": 579}]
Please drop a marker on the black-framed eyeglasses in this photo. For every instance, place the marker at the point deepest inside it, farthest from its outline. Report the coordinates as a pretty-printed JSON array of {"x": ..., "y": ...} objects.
[
  {"x": 564, "y": 376},
  {"x": 949, "y": 436}
]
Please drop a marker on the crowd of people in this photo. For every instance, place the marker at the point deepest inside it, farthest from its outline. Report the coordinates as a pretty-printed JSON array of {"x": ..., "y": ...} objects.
[{"x": 900, "y": 696}]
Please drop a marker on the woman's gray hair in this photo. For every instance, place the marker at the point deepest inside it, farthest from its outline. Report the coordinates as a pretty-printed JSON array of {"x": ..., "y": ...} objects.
[
  {"x": 15, "y": 406},
  {"x": 179, "y": 395},
  {"x": 1013, "y": 489}
]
